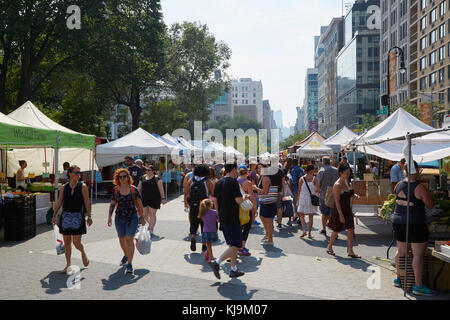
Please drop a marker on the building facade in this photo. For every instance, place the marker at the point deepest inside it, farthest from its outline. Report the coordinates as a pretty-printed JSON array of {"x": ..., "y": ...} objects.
[
  {"x": 247, "y": 98},
  {"x": 394, "y": 33},
  {"x": 332, "y": 41},
  {"x": 299, "y": 123},
  {"x": 311, "y": 100},
  {"x": 358, "y": 64},
  {"x": 429, "y": 61},
  {"x": 278, "y": 117},
  {"x": 267, "y": 115},
  {"x": 221, "y": 107}
]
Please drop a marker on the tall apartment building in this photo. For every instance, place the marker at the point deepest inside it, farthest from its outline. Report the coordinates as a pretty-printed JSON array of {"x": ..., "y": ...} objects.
[
  {"x": 299, "y": 123},
  {"x": 310, "y": 103},
  {"x": 394, "y": 33},
  {"x": 358, "y": 64},
  {"x": 278, "y": 117},
  {"x": 267, "y": 115},
  {"x": 331, "y": 41},
  {"x": 429, "y": 53},
  {"x": 247, "y": 99}
]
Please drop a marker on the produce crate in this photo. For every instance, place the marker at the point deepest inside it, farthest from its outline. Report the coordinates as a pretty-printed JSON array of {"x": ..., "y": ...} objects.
[{"x": 20, "y": 218}]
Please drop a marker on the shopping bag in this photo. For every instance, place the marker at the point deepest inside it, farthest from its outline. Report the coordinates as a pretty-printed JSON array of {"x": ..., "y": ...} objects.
[
  {"x": 287, "y": 208},
  {"x": 244, "y": 216},
  {"x": 59, "y": 240},
  {"x": 143, "y": 241}
]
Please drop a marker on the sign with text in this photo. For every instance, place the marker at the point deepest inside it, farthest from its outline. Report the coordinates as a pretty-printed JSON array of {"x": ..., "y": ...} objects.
[
  {"x": 425, "y": 112},
  {"x": 392, "y": 71}
]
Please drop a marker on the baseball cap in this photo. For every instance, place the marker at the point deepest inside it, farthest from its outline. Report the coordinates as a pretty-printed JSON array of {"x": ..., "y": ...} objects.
[{"x": 242, "y": 166}]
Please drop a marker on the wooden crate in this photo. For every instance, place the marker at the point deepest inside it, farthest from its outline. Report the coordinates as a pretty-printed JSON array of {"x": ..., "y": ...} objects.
[
  {"x": 385, "y": 188},
  {"x": 431, "y": 268},
  {"x": 375, "y": 201}
]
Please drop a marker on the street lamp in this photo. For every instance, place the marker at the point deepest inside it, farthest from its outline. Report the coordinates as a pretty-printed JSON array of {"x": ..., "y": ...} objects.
[{"x": 386, "y": 99}]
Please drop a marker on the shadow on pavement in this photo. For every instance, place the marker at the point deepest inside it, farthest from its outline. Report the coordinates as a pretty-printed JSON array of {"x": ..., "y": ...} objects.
[
  {"x": 359, "y": 264},
  {"x": 234, "y": 289},
  {"x": 55, "y": 281},
  {"x": 273, "y": 252},
  {"x": 120, "y": 279},
  {"x": 198, "y": 259},
  {"x": 156, "y": 238}
]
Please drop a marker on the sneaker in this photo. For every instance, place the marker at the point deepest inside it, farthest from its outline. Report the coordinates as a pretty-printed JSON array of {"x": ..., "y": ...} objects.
[
  {"x": 423, "y": 291},
  {"x": 205, "y": 255},
  {"x": 244, "y": 252},
  {"x": 124, "y": 260},
  {"x": 235, "y": 274},
  {"x": 193, "y": 244},
  {"x": 397, "y": 283},
  {"x": 215, "y": 268},
  {"x": 129, "y": 269},
  {"x": 256, "y": 223}
]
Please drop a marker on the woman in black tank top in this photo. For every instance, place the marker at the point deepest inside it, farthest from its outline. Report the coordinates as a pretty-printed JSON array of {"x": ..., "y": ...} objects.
[
  {"x": 152, "y": 191},
  {"x": 72, "y": 224}
]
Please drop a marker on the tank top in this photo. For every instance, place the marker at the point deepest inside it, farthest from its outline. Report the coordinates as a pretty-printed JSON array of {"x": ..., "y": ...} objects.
[
  {"x": 416, "y": 212},
  {"x": 150, "y": 189},
  {"x": 20, "y": 183},
  {"x": 241, "y": 183},
  {"x": 73, "y": 203}
]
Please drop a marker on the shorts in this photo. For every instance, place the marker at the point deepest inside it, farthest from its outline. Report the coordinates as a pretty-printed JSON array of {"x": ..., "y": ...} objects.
[
  {"x": 268, "y": 210},
  {"x": 233, "y": 235},
  {"x": 209, "y": 237},
  {"x": 125, "y": 227},
  {"x": 418, "y": 233},
  {"x": 279, "y": 202},
  {"x": 324, "y": 209}
]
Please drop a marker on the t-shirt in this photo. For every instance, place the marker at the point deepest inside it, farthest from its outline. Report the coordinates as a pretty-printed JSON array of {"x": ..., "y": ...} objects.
[
  {"x": 276, "y": 180},
  {"x": 209, "y": 221},
  {"x": 64, "y": 175},
  {"x": 296, "y": 173},
  {"x": 397, "y": 174},
  {"x": 226, "y": 190},
  {"x": 327, "y": 176},
  {"x": 126, "y": 207},
  {"x": 136, "y": 174}
]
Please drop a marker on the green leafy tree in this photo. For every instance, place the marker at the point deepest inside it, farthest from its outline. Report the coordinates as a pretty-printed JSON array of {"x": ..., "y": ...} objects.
[
  {"x": 368, "y": 122},
  {"x": 292, "y": 139},
  {"x": 164, "y": 117},
  {"x": 236, "y": 122}
]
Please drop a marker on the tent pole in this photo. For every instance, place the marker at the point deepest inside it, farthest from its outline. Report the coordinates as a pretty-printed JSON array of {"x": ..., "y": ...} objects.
[
  {"x": 92, "y": 176},
  {"x": 56, "y": 165},
  {"x": 166, "y": 177},
  {"x": 409, "y": 166}
]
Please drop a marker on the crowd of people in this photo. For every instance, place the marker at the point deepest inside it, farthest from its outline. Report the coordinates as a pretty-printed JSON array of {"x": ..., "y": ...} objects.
[{"x": 229, "y": 198}]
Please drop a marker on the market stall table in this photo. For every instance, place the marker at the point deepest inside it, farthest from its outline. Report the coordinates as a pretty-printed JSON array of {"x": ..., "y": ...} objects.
[{"x": 445, "y": 258}]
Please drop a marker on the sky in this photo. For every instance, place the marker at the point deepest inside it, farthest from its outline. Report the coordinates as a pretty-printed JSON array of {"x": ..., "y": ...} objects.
[{"x": 271, "y": 41}]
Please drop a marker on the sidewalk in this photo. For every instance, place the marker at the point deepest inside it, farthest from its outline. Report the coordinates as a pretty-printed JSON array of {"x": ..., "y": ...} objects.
[{"x": 293, "y": 269}]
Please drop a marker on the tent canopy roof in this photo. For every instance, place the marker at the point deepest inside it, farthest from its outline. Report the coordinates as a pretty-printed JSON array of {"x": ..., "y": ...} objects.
[
  {"x": 341, "y": 137},
  {"x": 314, "y": 147},
  {"x": 301, "y": 143}
]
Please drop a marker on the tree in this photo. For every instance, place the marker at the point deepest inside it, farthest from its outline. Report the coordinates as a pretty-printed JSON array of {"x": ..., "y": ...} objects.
[
  {"x": 368, "y": 122},
  {"x": 128, "y": 58},
  {"x": 292, "y": 139},
  {"x": 164, "y": 117},
  {"x": 236, "y": 122},
  {"x": 196, "y": 65}
]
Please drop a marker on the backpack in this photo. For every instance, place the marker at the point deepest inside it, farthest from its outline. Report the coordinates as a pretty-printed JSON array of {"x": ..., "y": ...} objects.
[{"x": 197, "y": 193}]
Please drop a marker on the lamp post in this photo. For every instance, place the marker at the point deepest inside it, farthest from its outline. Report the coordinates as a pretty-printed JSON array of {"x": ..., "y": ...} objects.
[{"x": 386, "y": 99}]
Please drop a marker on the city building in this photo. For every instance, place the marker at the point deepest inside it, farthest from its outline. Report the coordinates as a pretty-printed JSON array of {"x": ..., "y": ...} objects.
[
  {"x": 358, "y": 64},
  {"x": 394, "y": 33},
  {"x": 331, "y": 41},
  {"x": 299, "y": 123},
  {"x": 429, "y": 55},
  {"x": 247, "y": 98},
  {"x": 267, "y": 115},
  {"x": 310, "y": 103},
  {"x": 278, "y": 117},
  {"x": 221, "y": 107}
]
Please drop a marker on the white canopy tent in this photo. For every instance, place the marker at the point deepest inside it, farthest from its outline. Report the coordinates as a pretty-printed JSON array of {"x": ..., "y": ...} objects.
[
  {"x": 425, "y": 148},
  {"x": 340, "y": 139},
  {"x": 32, "y": 116},
  {"x": 314, "y": 148}
]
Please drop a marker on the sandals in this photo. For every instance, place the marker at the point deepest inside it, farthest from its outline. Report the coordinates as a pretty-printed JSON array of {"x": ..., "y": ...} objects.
[
  {"x": 64, "y": 271},
  {"x": 85, "y": 260},
  {"x": 354, "y": 256},
  {"x": 331, "y": 252},
  {"x": 303, "y": 235},
  {"x": 310, "y": 237}
]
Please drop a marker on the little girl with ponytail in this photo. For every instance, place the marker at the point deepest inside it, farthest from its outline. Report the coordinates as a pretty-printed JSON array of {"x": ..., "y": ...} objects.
[{"x": 209, "y": 234}]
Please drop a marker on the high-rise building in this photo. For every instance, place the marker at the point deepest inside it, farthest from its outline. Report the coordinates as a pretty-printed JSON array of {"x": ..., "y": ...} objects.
[
  {"x": 278, "y": 117},
  {"x": 267, "y": 115},
  {"x": 299, "y": 123},
  {"x": 394, "y": 33},
  {"x": 428, "y": 55},
  {"x": 310, "y": 103},
  {"x": 331, "y": 42},
  {"x": 358, "y": 64},
  {"x": 246, "y": 98},
  {"x": 221, "y": 107}
]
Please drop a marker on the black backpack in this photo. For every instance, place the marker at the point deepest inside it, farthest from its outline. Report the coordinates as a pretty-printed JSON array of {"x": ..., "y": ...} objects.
[{"x": 197, "y": 193}]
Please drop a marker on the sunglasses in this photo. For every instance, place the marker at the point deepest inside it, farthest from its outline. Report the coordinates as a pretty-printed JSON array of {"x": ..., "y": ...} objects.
[
  {"x": 76, "y": 172},
  {"x": 120, "y": 177}
]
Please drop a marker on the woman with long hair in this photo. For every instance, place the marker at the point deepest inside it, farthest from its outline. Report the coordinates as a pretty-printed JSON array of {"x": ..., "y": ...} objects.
[
  {"x": 20, "y": 177},
  {"x": 268, "y": 206},
  {"x": 247, "y": 187},
  {"x": 210, "y": 218},
  {"x": 307, "y": 185},
  {"x": 127, "y": 201},
  {"x": 152, "y": 191},
  {"x": 72, "y": 224},
  {"x": 342, "y": 216}
]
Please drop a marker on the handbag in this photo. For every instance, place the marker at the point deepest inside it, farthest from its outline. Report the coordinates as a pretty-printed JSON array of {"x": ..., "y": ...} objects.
[
  {"x": 246, "y": 205},
  {"x": 329, "y": 198},
  {"x": 71, "y": 220},
  {"x": 244, "y": 216},
  {"x": 270, "y": 197},
  {"x": 288, "y": 209},
  {"x": 315, "y": 201}
]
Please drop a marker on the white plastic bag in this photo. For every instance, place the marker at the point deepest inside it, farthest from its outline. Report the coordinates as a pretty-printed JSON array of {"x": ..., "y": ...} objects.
[
  {"x": 143, "y": 241},
  {"x": 59, "y": 240}
]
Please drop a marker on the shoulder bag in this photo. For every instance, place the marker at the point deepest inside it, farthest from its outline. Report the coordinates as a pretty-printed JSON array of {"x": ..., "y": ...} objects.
[{"x": 314, "y": 199}]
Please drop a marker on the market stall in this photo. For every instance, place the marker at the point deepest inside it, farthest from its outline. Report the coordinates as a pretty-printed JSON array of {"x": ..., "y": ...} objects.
[{"x": 314, "y": 148}]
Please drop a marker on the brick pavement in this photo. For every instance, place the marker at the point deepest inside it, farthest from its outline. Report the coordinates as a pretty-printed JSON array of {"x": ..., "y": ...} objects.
[{"x": 293, "y": 269}]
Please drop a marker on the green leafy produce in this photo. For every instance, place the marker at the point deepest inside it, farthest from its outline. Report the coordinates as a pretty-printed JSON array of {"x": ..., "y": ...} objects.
[{"x": 388, "y": 208}]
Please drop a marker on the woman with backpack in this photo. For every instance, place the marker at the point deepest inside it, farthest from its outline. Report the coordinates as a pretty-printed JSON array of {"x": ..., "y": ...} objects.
[
  {"x": 127, "y": 199},
  {"x": 72, "y": 224},
  {"x": 152, "y": 191},
  {"x": 197, "y": 189}
]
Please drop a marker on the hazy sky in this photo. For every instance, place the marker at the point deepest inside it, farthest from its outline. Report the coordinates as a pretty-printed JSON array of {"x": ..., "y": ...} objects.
[{"x": 271, "y": 41}]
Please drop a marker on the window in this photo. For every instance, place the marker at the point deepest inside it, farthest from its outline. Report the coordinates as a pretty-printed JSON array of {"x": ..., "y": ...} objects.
[
  {"x": 441, "y": 53},
  {"x": 423, "y": 4},
  {"x": 254, "y": 101},
  {"x": 433, "y": 58},
  {"x": 441, "y": 75},
  {"x": 370, "y": 52},
  {"x": 441, "y": 98},
  {"x": 423, "y": 23},
  {"x": 433, "y": 79},
  {"x": 393, "y": 38},
  {"x": 433, "y": 36},
  {"x": 423, "y": 83},
  {"x": 423, "y": 43},
  {"x": 442, "y": 31},
  {"x": 423, "y": 63},
  {"x": 442, "y": 8},
  {"x": 254, "y": 95},
  {"x": 433, "y": 15},
  {"x": 393, "y": 17}
]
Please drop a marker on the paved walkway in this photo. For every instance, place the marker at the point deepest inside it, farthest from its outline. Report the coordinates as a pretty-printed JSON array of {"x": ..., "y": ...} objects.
[{"x": 293, "y": 269}]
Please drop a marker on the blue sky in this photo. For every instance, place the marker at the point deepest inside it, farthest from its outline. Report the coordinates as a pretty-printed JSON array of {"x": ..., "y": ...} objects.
[{"x": 271, "y": 41}]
